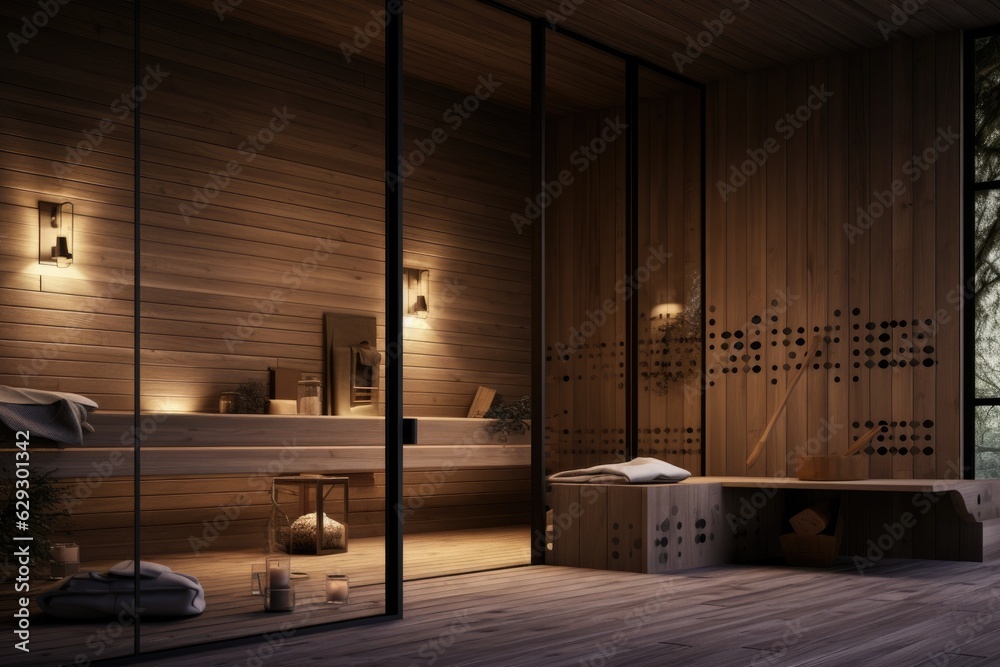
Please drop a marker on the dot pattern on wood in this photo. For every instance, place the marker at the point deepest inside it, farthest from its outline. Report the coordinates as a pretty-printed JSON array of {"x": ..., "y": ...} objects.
[
  {"x": 888, "y": 344},
  {"x": 744, "y": 349},
  {"x": 908, "y": 438}
]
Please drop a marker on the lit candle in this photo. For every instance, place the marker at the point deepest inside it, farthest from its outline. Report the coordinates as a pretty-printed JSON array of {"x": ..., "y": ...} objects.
[
  {"x": 278, "y": 576},
  {"x": 337, "y": 588}
]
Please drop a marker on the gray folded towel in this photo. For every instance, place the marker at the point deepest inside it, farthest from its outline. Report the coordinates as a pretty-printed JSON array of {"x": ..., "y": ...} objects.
[{"x": 54, "y": 415}]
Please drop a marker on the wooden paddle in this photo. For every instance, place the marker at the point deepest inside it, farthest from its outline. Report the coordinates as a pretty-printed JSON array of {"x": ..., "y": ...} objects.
[
  {"x": 814, "y": 345},
  {"x": 856, "y": 447}
]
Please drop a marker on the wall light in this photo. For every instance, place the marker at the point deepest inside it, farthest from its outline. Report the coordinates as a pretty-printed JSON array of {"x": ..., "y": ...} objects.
[
  {"x": 416, "y": 283},
  {"x": 666, "y": 311},
  {"x": 55, "y": 233}
]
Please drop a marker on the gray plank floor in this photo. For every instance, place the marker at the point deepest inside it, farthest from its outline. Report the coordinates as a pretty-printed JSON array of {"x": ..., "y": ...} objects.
[{"x": 898, "y": 613}]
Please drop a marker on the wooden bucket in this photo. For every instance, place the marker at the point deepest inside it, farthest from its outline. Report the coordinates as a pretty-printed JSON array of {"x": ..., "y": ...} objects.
[{"x": 832, "y": 468}]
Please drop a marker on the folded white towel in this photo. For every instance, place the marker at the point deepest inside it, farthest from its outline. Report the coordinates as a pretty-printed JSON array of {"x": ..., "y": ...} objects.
[{"x": 641, "y": 470}]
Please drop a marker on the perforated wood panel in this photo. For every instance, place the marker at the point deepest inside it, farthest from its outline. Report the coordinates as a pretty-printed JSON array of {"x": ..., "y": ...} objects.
[{"x": 834, "y": 210}]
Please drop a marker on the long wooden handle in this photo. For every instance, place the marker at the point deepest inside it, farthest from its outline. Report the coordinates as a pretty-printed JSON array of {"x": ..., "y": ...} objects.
[
  {"x": 814, "y": 346},
  {"x": 856, "y": 447}
]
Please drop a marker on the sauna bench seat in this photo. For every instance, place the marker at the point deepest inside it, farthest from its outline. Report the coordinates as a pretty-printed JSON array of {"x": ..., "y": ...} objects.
[
  {"x": 210, "y": 444},
  {"x": 706, "y": 521}
]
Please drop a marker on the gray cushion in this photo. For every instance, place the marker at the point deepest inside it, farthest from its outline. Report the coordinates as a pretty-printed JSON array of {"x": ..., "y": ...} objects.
[{"x": 162, "y": 593}]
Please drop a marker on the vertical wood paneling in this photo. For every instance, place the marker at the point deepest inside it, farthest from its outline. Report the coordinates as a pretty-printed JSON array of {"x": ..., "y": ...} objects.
[
  {"x": 859, "y": 266},
  {"x": 880, "y": 249},
  {"x": 797, "y": 339},
  {"x": 817, "y": 286},
  {"x": 693, "y": 169},
  {"x": 903, "y": 149},
  {"x": 924, "y": 248},
  {"x": 736, "y": 305},
  {"x": 716, "y": 279},
  {"x": 756, "y": 285},
  {"x": 863, "y": 241},
  {"x": 838, "y": 350},
  {"x": 776, "y": 277}
]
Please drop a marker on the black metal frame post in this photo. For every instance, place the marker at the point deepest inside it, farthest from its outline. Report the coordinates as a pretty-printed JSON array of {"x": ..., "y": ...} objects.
[
  {"x": 136, "y": 319},
  {"x": 393, "y": 309},
  {"x": 968, "y": 381},
  {"x": 538, "y": 369}
]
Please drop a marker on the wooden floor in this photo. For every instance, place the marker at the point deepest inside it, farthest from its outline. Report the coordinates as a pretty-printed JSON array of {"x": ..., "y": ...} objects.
[
  {"x": 898, "y": 613},
  {"x": 231, "y": 611}
]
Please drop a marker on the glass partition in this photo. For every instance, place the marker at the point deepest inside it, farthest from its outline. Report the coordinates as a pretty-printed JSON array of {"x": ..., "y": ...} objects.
[
  {"x": 467, "y": 169},
  {"x": 669, "y": 336},
  {"x": 587, "y": 282},
  {"x": 263, "y": 313},
  {"x": 67, "y": 293}
]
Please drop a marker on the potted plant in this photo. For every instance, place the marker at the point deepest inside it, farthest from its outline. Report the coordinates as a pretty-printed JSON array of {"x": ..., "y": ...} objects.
[
  {"x": 47, "y": 509},
  {"x": 509, "y": 419}
]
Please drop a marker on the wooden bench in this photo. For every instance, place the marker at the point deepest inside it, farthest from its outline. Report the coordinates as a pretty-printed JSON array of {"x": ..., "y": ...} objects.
[
  {"x": 716, "y": 520},
  {"x": 192, "y": 443}
]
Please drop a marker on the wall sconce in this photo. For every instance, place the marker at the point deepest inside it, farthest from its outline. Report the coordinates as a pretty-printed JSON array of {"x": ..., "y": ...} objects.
[
  {"x": 666, "y": 311},
  {"x": 55, "y": 233},
  {"x": 415, "y": 287}
]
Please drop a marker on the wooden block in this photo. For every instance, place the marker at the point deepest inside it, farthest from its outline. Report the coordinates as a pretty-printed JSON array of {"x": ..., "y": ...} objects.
[
  {"x": 482, "y": 402},
  {"x": 812, "y": 520},
  {"x": 832, "y": 467}
]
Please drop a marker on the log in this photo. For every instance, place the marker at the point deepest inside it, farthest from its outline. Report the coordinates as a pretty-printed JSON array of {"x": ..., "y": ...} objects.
[
  {"x": 482, "y": 402},
  {"x": 812, "y": 520}
]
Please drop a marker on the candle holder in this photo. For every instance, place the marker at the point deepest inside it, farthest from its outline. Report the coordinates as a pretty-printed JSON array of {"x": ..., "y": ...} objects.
[
  {"x": 258, "y": 578},
  {"x": 338, "y": 588},
  {"x": 65, "y": 560},
  {"x": 279, "y": 599}
]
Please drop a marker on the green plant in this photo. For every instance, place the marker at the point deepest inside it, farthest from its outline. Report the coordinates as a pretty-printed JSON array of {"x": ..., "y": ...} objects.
[
  {"x": 253, "y": 397},
  {"x": 509, "y": 419},
  {"x": 46, "y": 503}
]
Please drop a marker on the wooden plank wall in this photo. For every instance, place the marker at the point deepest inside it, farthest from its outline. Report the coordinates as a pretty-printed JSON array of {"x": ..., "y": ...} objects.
[
  {"x": 587, "y": 289},
  {"x": 837, "y": 218},
  {"x": 240, "y": 284}
]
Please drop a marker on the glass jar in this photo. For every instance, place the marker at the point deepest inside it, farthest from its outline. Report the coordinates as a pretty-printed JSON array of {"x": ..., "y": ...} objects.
[
  {"x": 228, "y": 401},
  {"x": 278, "y": 530},
  {"x": 310, "y": 395}
]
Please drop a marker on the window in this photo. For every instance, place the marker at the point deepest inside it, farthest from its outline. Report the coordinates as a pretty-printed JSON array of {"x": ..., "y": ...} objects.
[{"x": 983, "y": 208}]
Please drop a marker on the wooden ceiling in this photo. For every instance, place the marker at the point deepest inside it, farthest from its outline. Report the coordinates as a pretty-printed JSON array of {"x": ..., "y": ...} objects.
[
  {"x": 454, "y": 42},
  {"x": 761, "y": 33}
]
